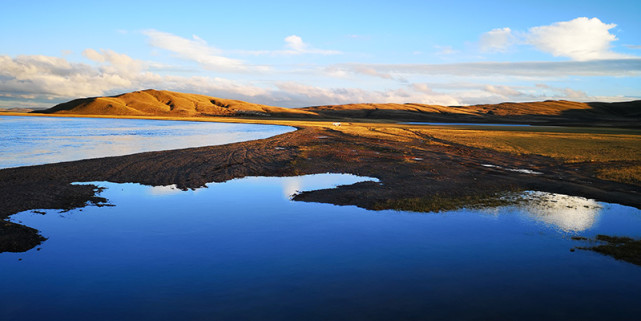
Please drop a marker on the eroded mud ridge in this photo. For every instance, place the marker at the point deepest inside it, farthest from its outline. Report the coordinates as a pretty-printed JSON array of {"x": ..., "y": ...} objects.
[{"x": 416, "y": 172}]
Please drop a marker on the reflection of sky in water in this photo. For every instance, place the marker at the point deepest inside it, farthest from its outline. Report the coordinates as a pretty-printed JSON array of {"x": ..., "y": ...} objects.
[
  {"x": 296, "y": 184},
  {"x": 568, "y": 213},
  {"x": 290, "y": 185},
  {"x": 41, "y": 140},
  {"x": 242, "y": 250}
]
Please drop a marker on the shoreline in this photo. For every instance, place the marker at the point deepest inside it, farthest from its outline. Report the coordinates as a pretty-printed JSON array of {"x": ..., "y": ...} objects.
[
  {"x": 418, "y": 171},
  {"x": 329, "y": 122}
]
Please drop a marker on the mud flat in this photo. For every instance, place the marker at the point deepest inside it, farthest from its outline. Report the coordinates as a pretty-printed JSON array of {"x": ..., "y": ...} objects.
[{"x": 419, "y": 170}]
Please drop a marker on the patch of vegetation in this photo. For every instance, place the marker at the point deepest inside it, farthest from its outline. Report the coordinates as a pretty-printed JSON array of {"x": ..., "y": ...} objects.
[
  {"x": 624, "y": 174},
  {"x": 569, "y": 146},
  {"x": 18, "y": 238},
  {"x": 439, "y": 203},
  {"x": 619, "y": 247}
]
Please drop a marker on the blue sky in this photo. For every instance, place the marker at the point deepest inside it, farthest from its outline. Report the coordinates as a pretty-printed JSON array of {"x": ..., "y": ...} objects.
[{"x": 295, "y": 53}]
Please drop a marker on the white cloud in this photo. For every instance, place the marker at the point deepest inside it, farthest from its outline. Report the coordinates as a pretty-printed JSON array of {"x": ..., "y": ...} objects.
[
  {"x": 92, "y": 54},
  {"x": 296, "y": 94},
  {"x": 421, "y": 87},
  {"x": 370, "y": 71},
  {"x": 114, "y": 63},
  {"x": 296, "y": 46},
  {"x": 573, "y": 94},
  {"x": 503, "y": 91},
  {"x": 44, "y": 81},
  {"x": 497, "y": 40},
  {"x": 55, "y": 77},
  {"x": 196, "y": 49},
  {"x": 544, "y": 69},
  {"x": 212, "y": 58},
  {"x": 579, "y": 39},
  {"x": 442, "y": 51},
  {"x": 567, "y": 93},
  {"x": 295, "y": 43}
]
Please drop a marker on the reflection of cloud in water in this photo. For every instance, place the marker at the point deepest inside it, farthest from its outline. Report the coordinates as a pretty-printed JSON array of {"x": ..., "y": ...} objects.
[
  {"x": 295, "y": 184},
  {"x": 291, "y": 186},
  {"x": 164, "y": 190},
  {"x": 569, "y": 213}
]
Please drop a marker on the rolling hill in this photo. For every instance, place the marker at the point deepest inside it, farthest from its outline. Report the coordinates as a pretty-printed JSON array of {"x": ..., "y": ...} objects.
[
  {"x": 167, "y": 103},
  {"x": 173, "y": 104}
]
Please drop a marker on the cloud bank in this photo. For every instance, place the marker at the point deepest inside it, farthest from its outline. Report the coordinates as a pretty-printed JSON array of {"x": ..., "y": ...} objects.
[
  {"x": 497, "y": 40},
  {"x": 38, "y": 80},
  {"x": 544, "y": 69},
  {"x": 49, "y": 80},
  {"x": 580, "y": 39},
  {"x": 197, "y": 50}
]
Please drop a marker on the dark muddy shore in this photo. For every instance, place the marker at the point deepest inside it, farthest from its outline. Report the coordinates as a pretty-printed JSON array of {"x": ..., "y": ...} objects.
[{"x": 419, "y": 174}]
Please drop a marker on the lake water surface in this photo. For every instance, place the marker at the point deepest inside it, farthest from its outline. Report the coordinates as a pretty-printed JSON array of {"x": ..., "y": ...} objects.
[
  {"x": 243, "y": 250},
  {"x": 42, "y": 140}
]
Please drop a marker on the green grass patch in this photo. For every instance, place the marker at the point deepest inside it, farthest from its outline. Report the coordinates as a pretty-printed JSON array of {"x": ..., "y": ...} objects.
[
  {"x": 619, "y": 247},
  {"x": 439, "y": 203}
]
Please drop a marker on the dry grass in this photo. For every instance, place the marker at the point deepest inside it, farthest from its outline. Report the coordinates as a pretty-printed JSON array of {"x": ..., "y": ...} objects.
[
  {"x": 605, "y": 151},
  {"x": 571, "y": 147},
  {"x": 562, "y": 143},
  {"x": 625, "y": 174},
  {"x": 503, "y": 109},
  {"x": 615, "y": 153},
  {"x": 378, "y": 131}
]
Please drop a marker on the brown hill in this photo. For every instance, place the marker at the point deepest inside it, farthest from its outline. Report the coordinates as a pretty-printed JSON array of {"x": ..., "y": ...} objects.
[
  {"x": 557, "y": 112},
  {"x": 166, "y": 103}
]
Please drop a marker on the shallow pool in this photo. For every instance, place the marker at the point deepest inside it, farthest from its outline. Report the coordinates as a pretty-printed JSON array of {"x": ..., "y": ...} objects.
[{"x": 242, "y": 250}]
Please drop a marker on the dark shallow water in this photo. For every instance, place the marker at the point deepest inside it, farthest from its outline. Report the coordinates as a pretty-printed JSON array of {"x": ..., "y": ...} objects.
[
  {"x": 241, "y": 250},
  {"x": 42, "y": 140}
]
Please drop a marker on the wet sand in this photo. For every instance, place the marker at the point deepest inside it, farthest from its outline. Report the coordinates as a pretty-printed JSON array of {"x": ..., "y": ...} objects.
[{"x": 416, "y": 171}]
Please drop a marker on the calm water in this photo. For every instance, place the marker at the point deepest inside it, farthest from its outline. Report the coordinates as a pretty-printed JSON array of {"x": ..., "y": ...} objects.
[
  {"x": 41, "y": 140},
  {"x": 242, "y": 250}
]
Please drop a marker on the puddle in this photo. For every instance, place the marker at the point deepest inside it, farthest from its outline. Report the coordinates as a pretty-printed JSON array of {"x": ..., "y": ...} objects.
[
  {"x": 243, "y": 250},
  {"x": 517, "y": 170}
]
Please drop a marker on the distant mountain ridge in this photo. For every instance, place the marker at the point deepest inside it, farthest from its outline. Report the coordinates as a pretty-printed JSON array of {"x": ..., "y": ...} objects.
[
  {"x": 173, "y": 104},
  {"x": 152, "y": 102}
]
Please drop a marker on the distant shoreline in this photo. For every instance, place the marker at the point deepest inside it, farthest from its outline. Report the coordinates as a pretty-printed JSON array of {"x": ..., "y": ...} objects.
[
  {"x": 177, "y": 105},
  {"x": 420, "y": 168}
]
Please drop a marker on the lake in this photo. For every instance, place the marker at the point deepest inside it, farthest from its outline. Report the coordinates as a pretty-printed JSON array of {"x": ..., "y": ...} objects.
[
  {"x": 42, "y": 140},
  {"x": 243, "y": 250}
]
